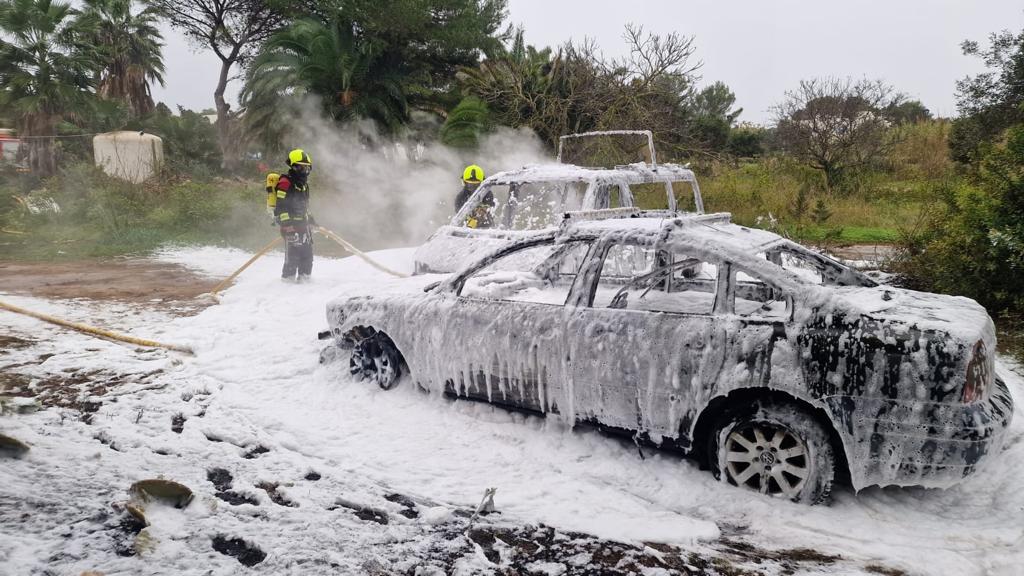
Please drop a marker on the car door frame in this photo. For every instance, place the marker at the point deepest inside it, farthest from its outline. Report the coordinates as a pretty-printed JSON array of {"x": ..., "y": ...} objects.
[
  {"x": 585, "y": 403},
  {"x": 550, "y": 373}
]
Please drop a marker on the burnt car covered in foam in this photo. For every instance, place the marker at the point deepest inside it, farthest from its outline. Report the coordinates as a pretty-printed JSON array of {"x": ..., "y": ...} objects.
[
  {"x": 516, "y": 203},
  {"x": 778, "y": 368}
]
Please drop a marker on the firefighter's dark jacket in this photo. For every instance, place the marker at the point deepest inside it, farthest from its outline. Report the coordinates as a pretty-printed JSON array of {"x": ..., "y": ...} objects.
[{"x": 292, "y": 207}]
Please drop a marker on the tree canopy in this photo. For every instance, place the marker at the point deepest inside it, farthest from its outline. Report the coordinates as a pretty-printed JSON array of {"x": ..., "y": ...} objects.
[
  {"x": 233, "y": 30},
  {"x": 835, "y": 124},
  {"x": 46, "y": 73},
  {"x": 375, "y": 60},
  {"x": 992, "y": 101},
  {"x": 129, "y": 45}
]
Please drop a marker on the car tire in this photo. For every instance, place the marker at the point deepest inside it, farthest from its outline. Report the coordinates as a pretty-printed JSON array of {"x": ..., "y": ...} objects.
[
  {"x": 375, "y": 358},
  {"x": 774, "y": 448}
]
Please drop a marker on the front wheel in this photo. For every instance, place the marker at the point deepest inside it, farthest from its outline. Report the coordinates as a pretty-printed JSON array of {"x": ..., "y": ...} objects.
[
  {"x": 376, "y": 359},
  {"x": 776, "y": 449}
]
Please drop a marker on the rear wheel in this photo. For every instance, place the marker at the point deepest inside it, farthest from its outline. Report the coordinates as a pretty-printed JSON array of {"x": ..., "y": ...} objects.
[
  {"x": 376, "y": 359},
  {"x": 776, "y": 449}
]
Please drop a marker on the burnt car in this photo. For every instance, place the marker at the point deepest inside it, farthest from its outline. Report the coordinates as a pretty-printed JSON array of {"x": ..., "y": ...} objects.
[
  {"x": 517, "y": 202},
  {"x": 778, "y": 368}
]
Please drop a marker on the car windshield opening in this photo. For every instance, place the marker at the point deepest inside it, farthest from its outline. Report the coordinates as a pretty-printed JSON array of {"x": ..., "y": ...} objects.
[{"x": 526, "y": 205}]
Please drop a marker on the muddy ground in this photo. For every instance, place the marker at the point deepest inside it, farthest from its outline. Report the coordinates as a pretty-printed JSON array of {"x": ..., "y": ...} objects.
[{"x": 121, "y": 279}]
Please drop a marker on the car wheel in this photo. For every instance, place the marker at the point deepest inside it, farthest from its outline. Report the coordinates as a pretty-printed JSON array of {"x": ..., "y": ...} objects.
[
  {"x": 375, "y": 358},
  {"x": 776, "y": 449}
]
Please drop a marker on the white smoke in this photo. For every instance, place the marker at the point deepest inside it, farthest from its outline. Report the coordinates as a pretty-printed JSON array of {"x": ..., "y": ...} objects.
[{"x": 381, "y": 193}]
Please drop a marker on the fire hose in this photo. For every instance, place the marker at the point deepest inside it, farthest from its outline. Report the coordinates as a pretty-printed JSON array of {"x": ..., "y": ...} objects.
[
  {"x": 255, "y": 257},
  {"x": 106, "y": 334},
  {"x": 353, "y": 250},
  {"x": 327, "y": 233},
  {"x": 98, "y": 332}
]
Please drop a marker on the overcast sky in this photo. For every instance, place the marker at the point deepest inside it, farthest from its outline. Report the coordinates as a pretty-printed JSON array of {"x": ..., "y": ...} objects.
[{"x": 758, "y": 48}]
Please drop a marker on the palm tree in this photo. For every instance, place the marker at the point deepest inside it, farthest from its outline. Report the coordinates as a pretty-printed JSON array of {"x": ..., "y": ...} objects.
[
  {"x": 466, "y": 123},
  {"x": 130, "y": 47},
  {"x": 45, "y": 73},
  {"x": 352, "y": 77},
  {"x": 520, "y": 86}
]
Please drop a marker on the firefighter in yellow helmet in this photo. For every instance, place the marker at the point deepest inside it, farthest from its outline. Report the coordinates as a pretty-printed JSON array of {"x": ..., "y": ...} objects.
[
  {"x": 481, "y": 216},
  {"x": 291, "y": 212}
]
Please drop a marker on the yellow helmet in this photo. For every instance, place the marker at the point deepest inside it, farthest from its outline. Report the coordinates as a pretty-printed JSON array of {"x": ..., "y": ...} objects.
[
  {"x": 299, "y": 156},
  {"x": 473, "y": 174}
]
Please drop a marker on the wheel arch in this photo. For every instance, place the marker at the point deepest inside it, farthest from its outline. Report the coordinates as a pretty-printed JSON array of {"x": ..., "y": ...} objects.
[
  {"x": 741, "y": 397},
  {"x": 361, "y": 330}
]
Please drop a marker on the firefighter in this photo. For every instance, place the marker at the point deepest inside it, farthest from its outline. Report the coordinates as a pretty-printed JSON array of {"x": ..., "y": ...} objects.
[
  {"x": 291, "y": 212},
  {"x": 471, "y": 178},
  {"x": 481, "y": 215}
]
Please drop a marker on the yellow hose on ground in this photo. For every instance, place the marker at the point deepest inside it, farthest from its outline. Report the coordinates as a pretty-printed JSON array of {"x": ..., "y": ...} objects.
[
  {"x": 15, "y": 232},
  {"x": 255, "y": 257},
  {"x": 100, "y": 333},
  {"x": 352, "y": 249}
]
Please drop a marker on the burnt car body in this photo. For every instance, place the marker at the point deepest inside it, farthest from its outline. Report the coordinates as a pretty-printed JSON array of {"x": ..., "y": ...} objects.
[{"x": 771, "y": 363}]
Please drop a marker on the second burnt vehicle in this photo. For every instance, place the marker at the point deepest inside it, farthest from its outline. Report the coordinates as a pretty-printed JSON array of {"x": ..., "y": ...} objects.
[
  {"x": 519, "y": 202},
  {"x": 778, "y": 368}
]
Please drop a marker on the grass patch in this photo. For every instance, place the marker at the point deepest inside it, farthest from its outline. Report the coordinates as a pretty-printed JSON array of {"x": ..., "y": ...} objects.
[
  {"x": 846, "y": 234},
  {"x": 779, "y": 194},
  {"x": 780, "y": 190},
  {"x": 101, "y": 217}
]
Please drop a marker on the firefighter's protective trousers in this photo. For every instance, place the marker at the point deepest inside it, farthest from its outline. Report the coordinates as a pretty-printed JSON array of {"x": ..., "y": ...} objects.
[
  {"x": 292, "y": 213},
  {"x": 298, "y": 256}
]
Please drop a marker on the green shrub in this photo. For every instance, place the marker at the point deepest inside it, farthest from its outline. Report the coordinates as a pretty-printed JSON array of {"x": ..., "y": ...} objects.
[
  {"x": 102, "y": 216},
  {"x": 972, "y": 242}
]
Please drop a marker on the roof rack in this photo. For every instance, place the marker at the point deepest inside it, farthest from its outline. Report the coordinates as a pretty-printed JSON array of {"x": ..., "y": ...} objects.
[
  {"x": 679, "y": 218},
  {"x": 646, "y": 133},
  {"x": 713, "y": 218}
]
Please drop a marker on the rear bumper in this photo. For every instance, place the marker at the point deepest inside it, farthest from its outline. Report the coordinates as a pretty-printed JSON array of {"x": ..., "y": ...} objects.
[{"x": 921, "y": 443}]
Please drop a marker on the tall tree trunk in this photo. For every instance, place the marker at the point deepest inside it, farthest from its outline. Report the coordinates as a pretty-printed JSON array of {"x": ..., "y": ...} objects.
[
  {"x": 227, "y": 151},
  {"x": 831, "y": 175},
  {"x": 41, "y": 157}
]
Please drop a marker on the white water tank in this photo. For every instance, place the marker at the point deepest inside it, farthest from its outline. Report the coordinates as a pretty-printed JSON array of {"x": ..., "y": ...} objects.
[{"x": 131, "y": 156}]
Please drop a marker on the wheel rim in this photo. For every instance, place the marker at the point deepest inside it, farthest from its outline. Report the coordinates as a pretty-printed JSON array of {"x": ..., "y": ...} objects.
[
  {"x": 384, "y": 371},
  {"x": 767, "y": 458},
  {"x": 357, "y": 364},
  {"x": 372, "y": 361}
]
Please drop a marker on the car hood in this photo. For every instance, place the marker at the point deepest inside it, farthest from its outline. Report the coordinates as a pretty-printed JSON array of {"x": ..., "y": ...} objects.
[
  {"x": 452, "y": 247},
  {"x": 958, "y": 316},
  {"x": 388, "y": 287}
]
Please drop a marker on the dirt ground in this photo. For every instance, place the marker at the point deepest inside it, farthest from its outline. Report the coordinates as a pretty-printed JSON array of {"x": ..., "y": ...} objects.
[
  {"x": 875, "y": 254},
  {"x": 125, "y": 280}
]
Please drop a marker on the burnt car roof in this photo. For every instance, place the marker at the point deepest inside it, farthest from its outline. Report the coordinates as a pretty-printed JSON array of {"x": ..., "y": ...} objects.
[
  {"x": 685, "y": 227},
  {"x": 700, "y": 234}
]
